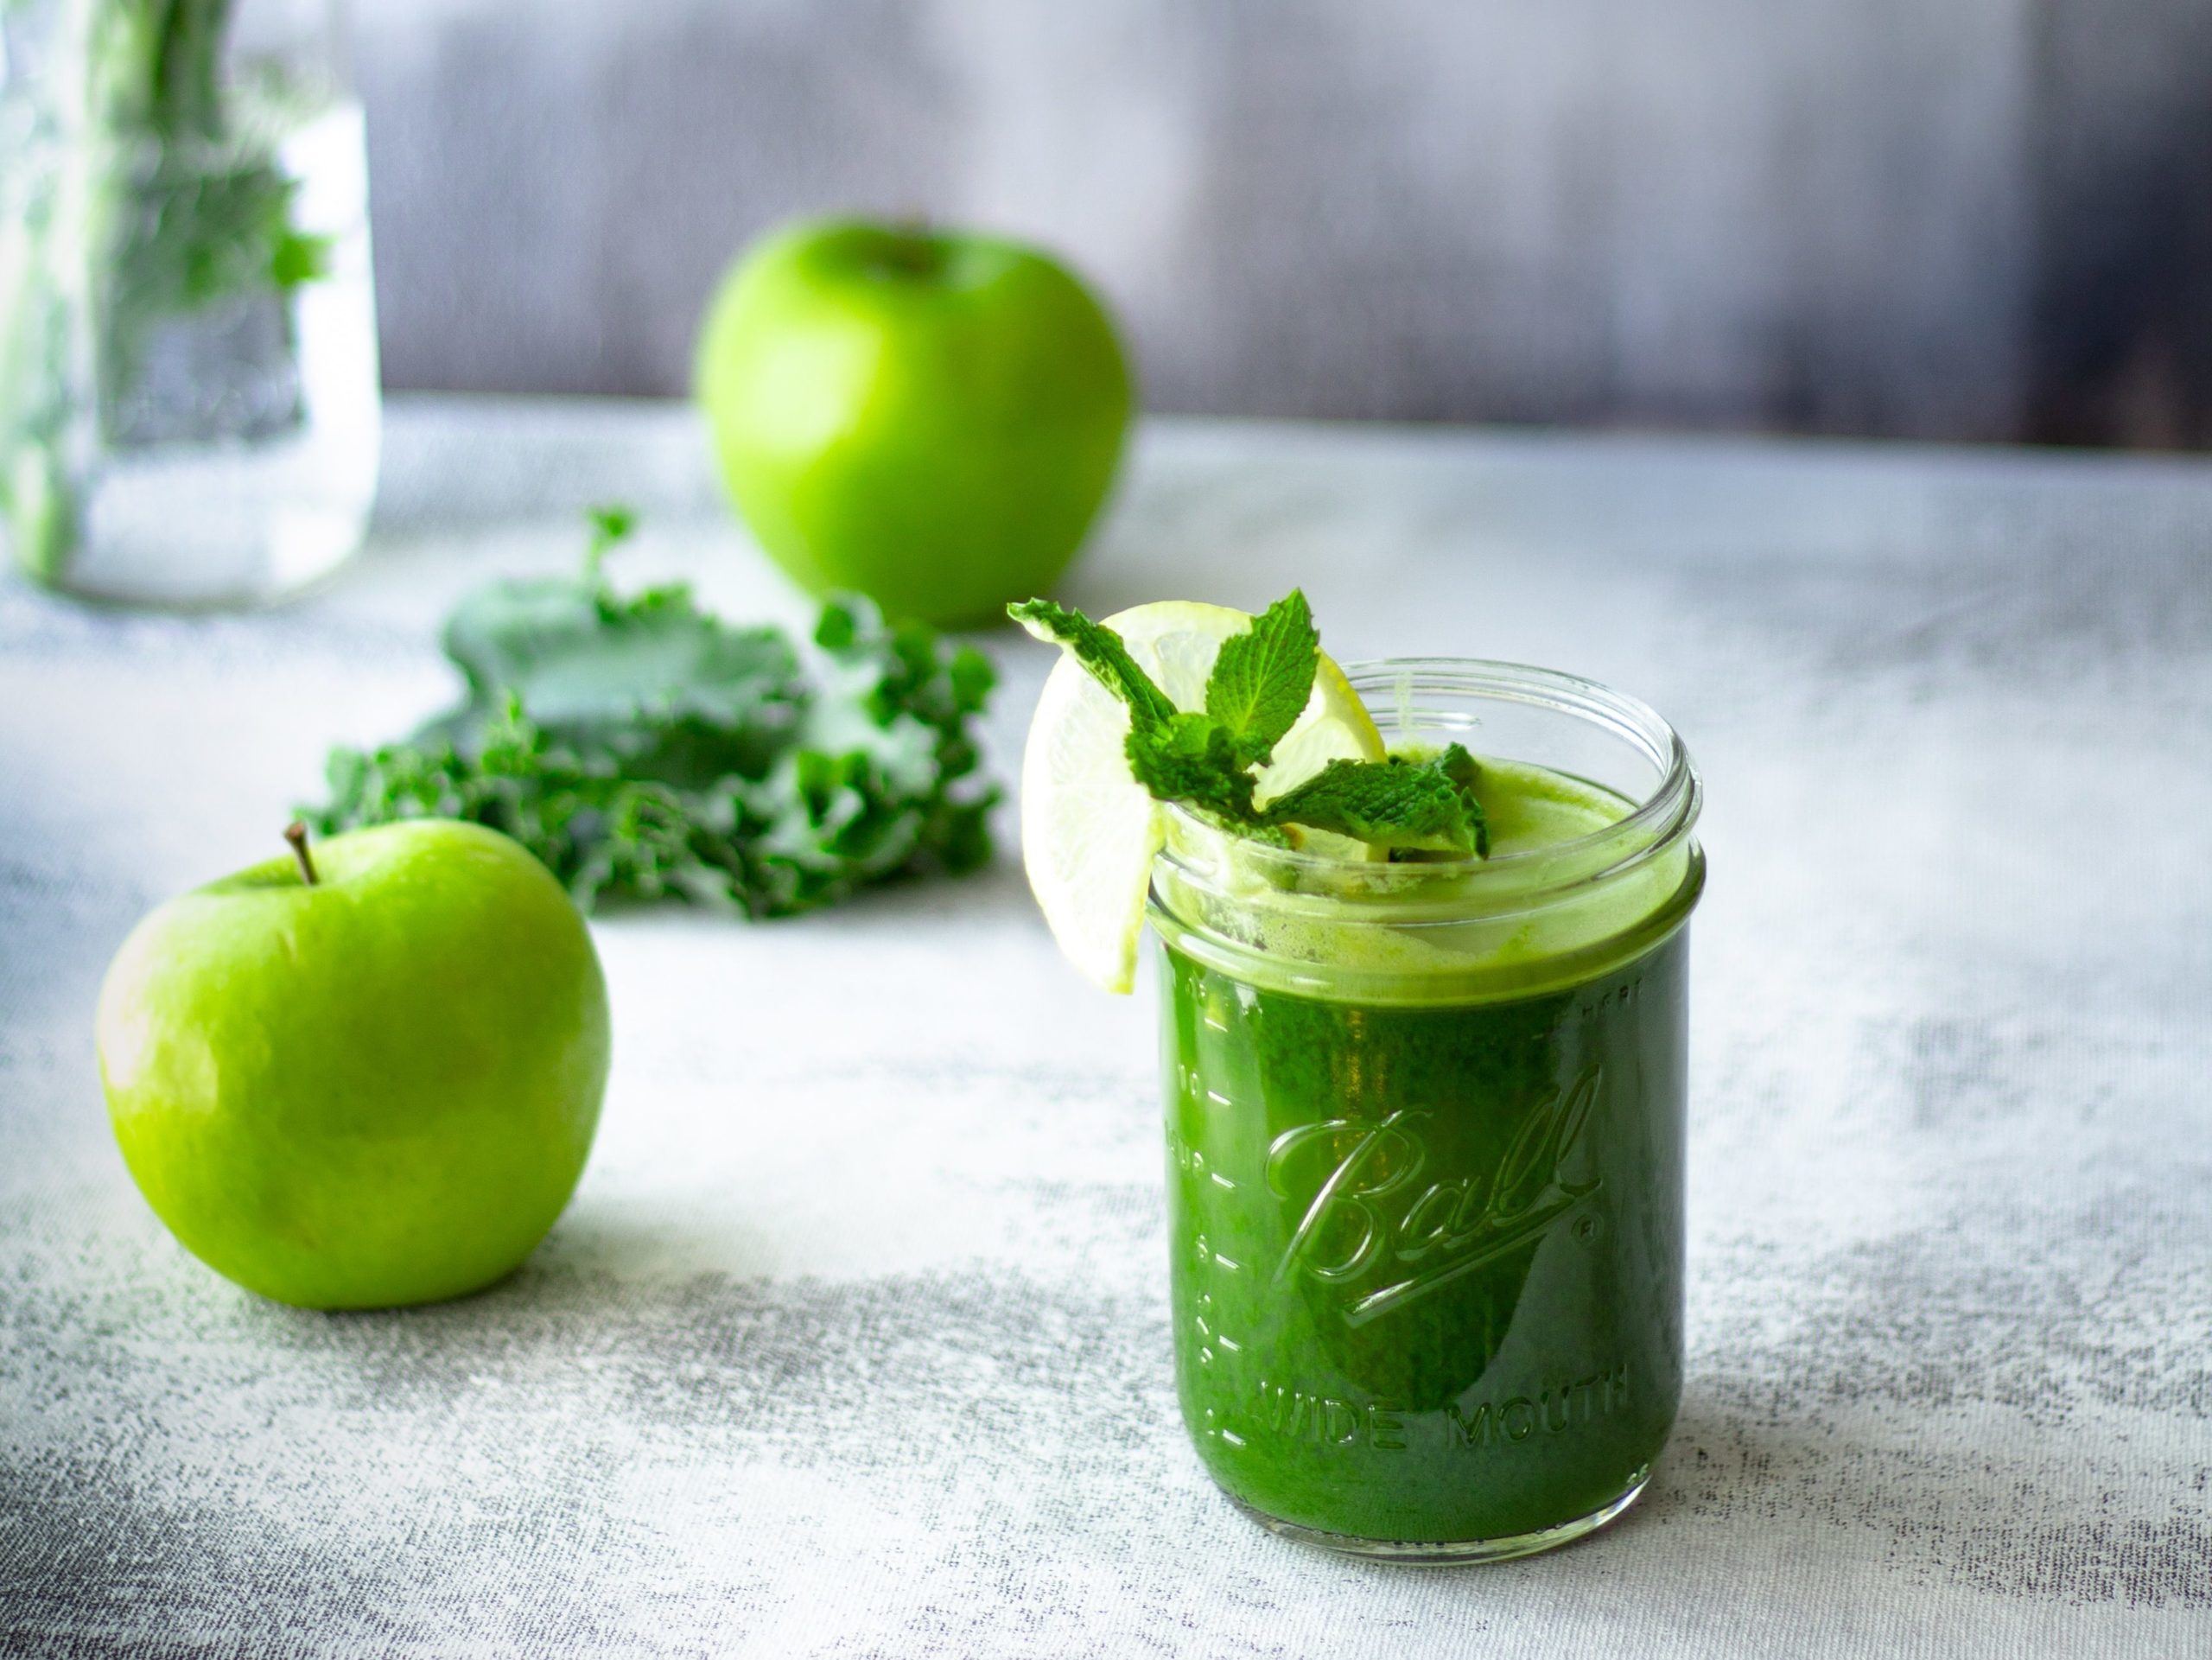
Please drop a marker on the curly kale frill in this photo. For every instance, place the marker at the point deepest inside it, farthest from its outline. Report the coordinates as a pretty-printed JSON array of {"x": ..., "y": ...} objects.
[{"x": 643, "y": 749}]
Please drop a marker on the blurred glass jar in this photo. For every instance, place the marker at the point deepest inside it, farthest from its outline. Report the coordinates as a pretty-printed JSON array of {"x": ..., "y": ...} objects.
[{"x": 189, "y": 404}]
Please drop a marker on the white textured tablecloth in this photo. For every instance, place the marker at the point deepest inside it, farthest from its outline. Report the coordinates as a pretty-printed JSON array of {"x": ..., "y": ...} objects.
[{"x": 854, "y": 1341}]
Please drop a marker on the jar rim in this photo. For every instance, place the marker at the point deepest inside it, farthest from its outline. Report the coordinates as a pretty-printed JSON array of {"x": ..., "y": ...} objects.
[
  {"x": 1652, "y": 827},
  {"x": 1341, "y": 930}
]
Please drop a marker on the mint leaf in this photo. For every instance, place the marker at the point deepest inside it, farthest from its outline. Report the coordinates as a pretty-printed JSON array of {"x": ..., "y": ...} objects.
[
  {"x": 1427, "y": 805},
  {"x": 1191, "y": 758},
  {"x": 1099, "y": 649},
  {"x": 1463, "y": 770},
  {"x": 1262, "y": 678}
]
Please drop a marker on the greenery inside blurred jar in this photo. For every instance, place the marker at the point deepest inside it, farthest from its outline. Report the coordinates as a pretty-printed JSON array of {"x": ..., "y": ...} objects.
[{"x": 188, "y": 406}]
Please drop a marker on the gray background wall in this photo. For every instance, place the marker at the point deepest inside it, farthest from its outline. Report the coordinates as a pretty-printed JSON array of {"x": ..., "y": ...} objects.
[{"x": 1973, "y": 219}]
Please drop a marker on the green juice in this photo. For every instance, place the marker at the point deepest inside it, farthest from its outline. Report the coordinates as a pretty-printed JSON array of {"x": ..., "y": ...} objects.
[{"x": 1425, "y": 1143}]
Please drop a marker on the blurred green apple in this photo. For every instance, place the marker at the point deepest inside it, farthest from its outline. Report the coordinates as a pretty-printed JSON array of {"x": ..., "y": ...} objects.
[
  {"x": 374, "y": 1088},
  {"x": 930, "y": 418}
]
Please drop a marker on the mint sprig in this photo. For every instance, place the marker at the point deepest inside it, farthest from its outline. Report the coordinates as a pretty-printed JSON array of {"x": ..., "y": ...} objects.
[{"x": 1258, "y": 687}]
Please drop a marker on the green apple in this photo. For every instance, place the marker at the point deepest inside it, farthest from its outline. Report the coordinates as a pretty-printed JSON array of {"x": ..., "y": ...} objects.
[
  {"x": 932, "y": 419},
  {"x": 365, "y": 1076}
]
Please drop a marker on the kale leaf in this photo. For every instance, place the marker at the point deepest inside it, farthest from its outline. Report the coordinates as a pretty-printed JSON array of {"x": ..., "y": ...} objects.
[{"x": 645, "y": 750}]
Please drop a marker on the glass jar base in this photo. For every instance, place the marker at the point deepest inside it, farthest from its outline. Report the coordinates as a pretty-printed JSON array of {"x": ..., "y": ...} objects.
[{"x": 1450, "y": 1553}]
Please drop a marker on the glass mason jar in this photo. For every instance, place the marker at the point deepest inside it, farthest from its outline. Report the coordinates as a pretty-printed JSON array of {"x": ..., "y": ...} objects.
[
  {"x": 1425, "y": 1127},
  {"x": 189, "y": 402}
]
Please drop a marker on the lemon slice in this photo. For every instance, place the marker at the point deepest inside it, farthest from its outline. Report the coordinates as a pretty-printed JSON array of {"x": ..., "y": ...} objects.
[{"x": 1089, "y": 831}]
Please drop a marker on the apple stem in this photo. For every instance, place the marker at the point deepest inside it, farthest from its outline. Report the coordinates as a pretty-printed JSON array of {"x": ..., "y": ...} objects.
[
  {"x": 296, "y": 833},
  {"x": 910, "y": 251}
]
